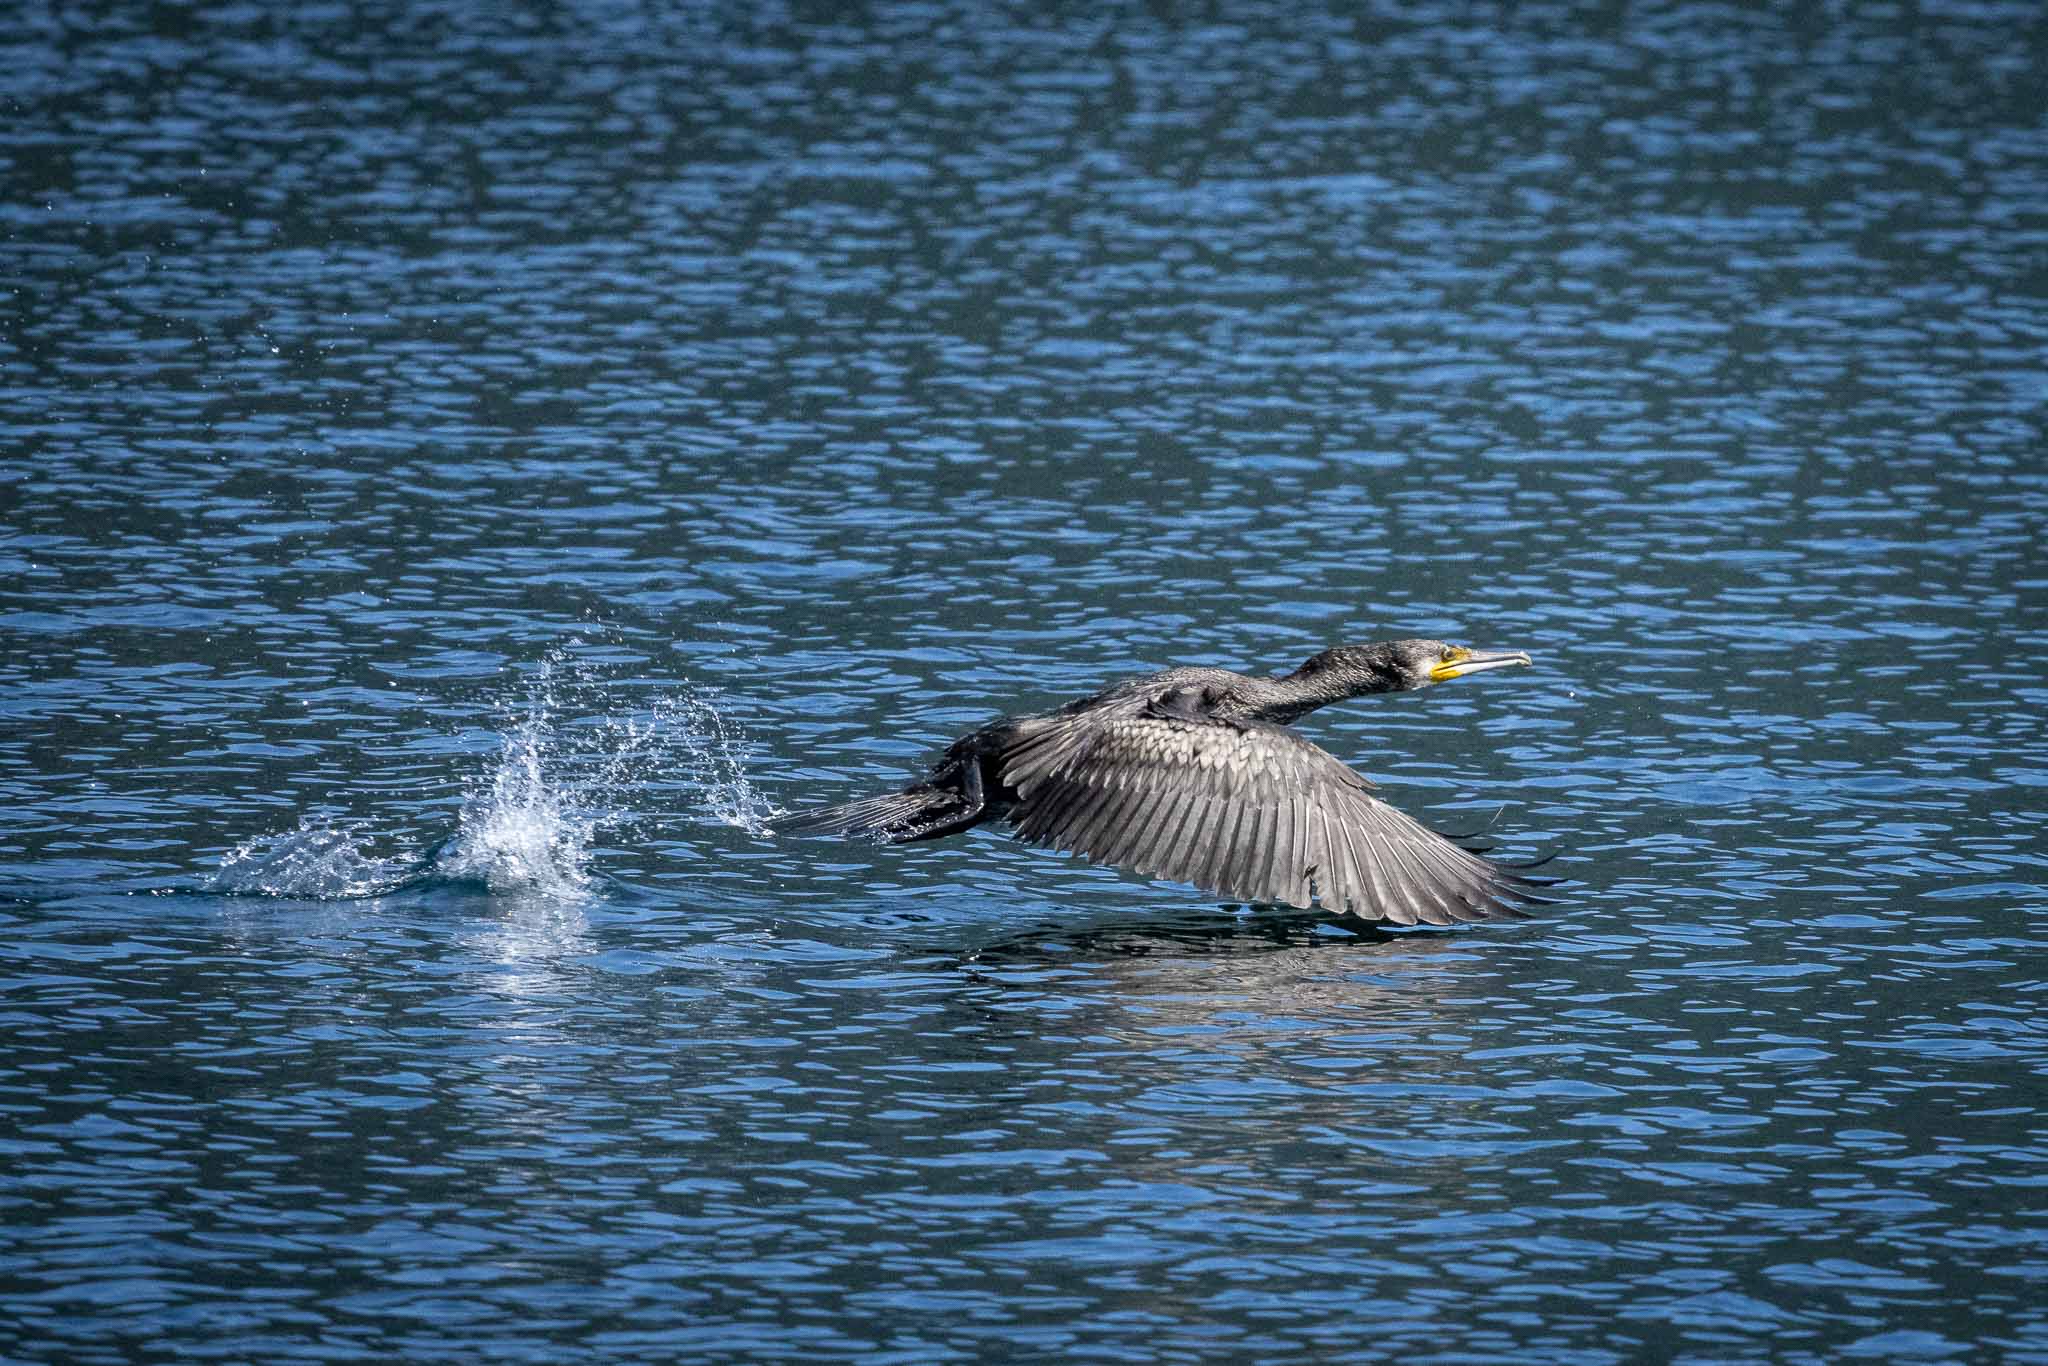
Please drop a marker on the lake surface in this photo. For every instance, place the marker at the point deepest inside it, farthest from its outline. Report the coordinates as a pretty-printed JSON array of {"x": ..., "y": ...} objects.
[{"x": 464, "y": 466}]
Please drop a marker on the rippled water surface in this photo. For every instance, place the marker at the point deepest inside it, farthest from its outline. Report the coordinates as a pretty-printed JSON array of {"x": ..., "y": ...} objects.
[{"x": 465, "y": 465}]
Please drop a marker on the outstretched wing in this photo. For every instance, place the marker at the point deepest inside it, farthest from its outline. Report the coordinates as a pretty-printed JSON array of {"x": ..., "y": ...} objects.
[{"x": 1248, "y": 811}]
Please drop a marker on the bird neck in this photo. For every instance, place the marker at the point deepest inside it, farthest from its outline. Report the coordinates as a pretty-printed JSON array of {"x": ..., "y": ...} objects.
[
  {"x": 1290, "y": 697},
  {"x": 1330, "y": 676}
]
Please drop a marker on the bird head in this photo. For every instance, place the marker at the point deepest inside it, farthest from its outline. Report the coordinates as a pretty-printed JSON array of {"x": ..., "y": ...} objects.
[
  {"x": 1440, "y": 663},
  {"x": 1401, "y": 665}
]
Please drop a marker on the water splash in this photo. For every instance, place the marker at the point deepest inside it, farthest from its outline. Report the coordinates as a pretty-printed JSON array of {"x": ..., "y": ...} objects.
[
  {"x": 717, "y": 752},
  {"x": 320, "y": 860},
  {"x": 571, "y": 765},
  {"x": 526, "y": 830}
]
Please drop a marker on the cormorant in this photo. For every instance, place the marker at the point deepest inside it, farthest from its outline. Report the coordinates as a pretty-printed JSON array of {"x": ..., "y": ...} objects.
[{"x": 1194, "y": 775}]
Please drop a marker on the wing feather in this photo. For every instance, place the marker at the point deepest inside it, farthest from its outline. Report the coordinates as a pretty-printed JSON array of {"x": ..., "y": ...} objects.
[
  {"x": 1254, "y": 840},
  {"x": 1164, "y": 821},
  {"x": 1379, "y": 871},
  {"x": 1057, "y": 823},
  {"x": 1133, "y": 835},
  {"x": 1091, "y": 816},
  {"x": 1469, "y": 886},
  {"x": 1294, "y": 884},
  {"x": 1245, "y": 810},
  {"x": 1406, "y": 885},
  {"x": 1333, "y": 879},
  {"x": 1124, "y": 837},
  {"x": 1358, "y": 869},
  {"x": 1188, "y": 858},
  {"x": 1215, "y": 867},
  {"x": 1273, "y": 881}
]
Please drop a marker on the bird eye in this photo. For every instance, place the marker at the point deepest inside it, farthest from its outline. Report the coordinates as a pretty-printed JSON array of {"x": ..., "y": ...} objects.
[{"x": 1450, "y": 653}]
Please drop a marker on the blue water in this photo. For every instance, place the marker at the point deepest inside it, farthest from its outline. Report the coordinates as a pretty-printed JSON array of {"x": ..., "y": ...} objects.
[{"x": 464, "y": 468}]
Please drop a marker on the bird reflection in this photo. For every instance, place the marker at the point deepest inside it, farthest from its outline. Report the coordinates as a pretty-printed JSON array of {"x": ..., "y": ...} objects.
[
  {"x": 1193, "y": 966},
  {"x": 1194, "y": 931}
]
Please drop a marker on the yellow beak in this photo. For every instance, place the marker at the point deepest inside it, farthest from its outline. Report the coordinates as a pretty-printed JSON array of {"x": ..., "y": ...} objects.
[{"x": 1463, "y": 661}]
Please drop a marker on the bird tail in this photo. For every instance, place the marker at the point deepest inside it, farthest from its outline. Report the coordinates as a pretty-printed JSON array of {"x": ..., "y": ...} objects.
[{"x": 892, "y": 818}]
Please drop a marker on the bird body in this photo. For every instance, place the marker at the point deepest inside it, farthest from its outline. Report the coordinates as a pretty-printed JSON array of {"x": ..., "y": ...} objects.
[{"x": 1194, "y": 775}]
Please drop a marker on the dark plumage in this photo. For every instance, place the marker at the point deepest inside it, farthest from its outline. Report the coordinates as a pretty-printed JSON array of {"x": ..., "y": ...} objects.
[{"x": 1193, "y": 775}]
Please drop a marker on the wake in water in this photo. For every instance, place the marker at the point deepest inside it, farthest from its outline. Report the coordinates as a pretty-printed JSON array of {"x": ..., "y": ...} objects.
[{"x": 567, "y": 769}]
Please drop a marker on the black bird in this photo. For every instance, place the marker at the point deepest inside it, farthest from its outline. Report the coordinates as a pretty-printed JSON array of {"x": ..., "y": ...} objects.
[{"x": 1194, "y": 775}]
